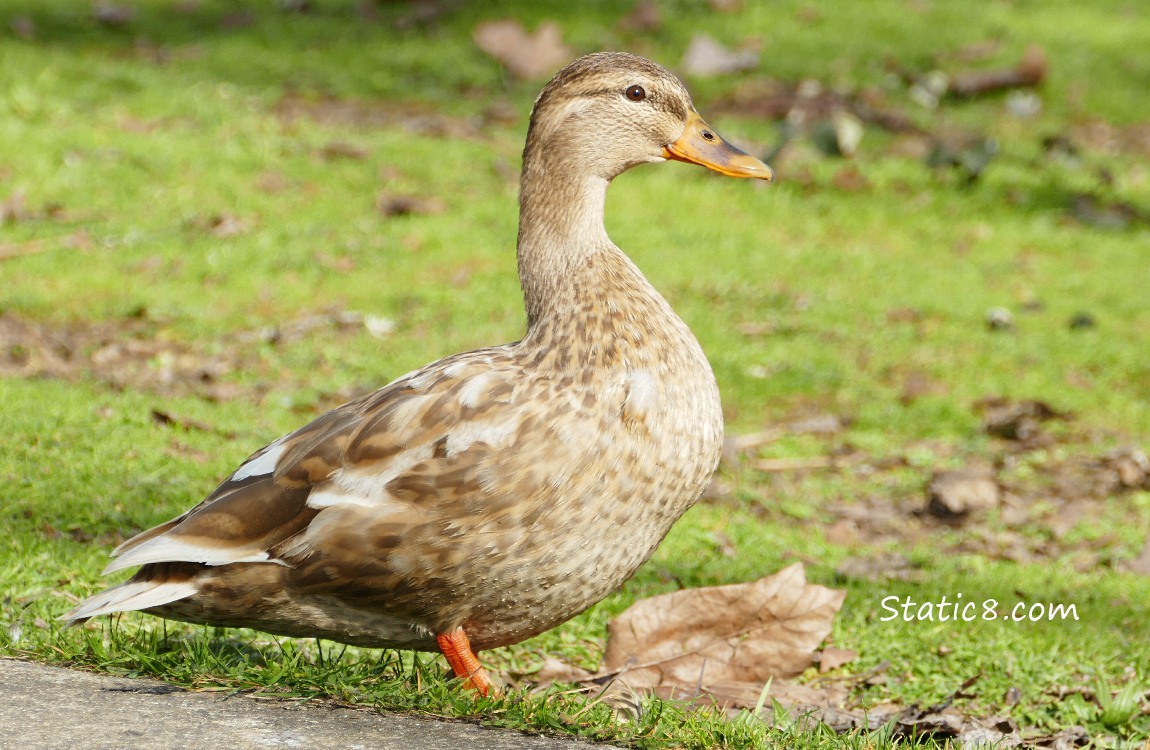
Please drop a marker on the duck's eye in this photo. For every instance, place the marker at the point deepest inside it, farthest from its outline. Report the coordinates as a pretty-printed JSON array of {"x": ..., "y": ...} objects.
[{"x": 636, "y": 93}]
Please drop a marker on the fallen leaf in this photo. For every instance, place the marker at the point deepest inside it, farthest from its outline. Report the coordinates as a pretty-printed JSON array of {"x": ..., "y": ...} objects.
[
  {"x": 128, "y": 353},
  {"x": 707, "y": 57},
  {"x": 236, "y": 20},
  {"x": 1030, "y": 71},
  {"x": 23, "y": 27},
  {"x": 184, "y": 423},
  {"x": 342, "y": 150},
  {"x": 803, "y": 104},
  {"x": 526, "y": 56},
  {"x": 841, "y": 533},
  {"x": 978, "y": 51},
  {"x": 415, "y": 117},
  {"x": 421, "y": 13},
  {"x": 707, "y": 638},
  {"x": 850, "y": 180},
  {"x": 1015, "y": 420},
  {"x": 799, "y": 463},
  {"x": 555, "y": 670},
  {"x": 1141, "y": 564},
  {"x": 1104, "y": 214},
  {"x": 176, "y": 449},
  {"x": 1063, "y": 739},
  {"x": 833, "y": 658},
  {"x": 735, "y": 446},
  {"x": 819, "y": 424},
  {"x": 1067, "y": 517},
  {"x": 644, "y": 18},
  {"x": 1099, "y": 135},
  {"x": 113, "y": 14},
  {"x": 881, "y": 567},
  {"x": 725, "y": 6},
  {"x": 14, "y": 208},
  {"x": 955, "y": 495},
  {"x": 222, "y": 225},
  {"x": 917, "y": 384},
  {"x": 408, "y": 205},
  {"x": 272, "y": 182}
]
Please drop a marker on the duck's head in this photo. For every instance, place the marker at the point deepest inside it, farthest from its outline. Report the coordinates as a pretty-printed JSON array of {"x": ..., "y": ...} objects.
[{"x": 610, "y": 111}]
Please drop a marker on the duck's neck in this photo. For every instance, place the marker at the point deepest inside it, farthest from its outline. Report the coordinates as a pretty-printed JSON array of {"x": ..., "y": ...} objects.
[
  {"x": 582, "y": 291},
  {"x": 561, "y": 234}
]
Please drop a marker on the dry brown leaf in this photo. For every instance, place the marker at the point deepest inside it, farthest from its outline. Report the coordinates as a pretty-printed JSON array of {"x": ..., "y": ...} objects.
[
  {"x": 557, "y": 670},
  {"x": 644, "y": 18},
  {"x": 14, "y": 208},
  {"x": 1141, "y": 564},
  {"x": 23, "y": 27},
  {"x": 725, "y": 6},
  {"x": 707, "y": 57},
  {"x": 113, "y": 14},
  {"x": 842, "y": 533},
  {"x": 222, "y": 225},
  {"x": 850, "y": 180},
  {"x": 959, "y": 493},
  {"x": 883, "y": 566},
  {"x": 408, "y": 205},
  {"x": 709, "y": 638},
  {"x": 342, "y": 150},
  {"x": 832, "y": 657},
  {"x": 526, "y": 56},
  {"x": 1030, "y": 71}
]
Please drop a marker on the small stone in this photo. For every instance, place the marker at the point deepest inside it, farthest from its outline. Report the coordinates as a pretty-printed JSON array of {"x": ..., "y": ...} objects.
[
  {"x": 999, "y": 319},
  {"x": 1023, "y": 104}
]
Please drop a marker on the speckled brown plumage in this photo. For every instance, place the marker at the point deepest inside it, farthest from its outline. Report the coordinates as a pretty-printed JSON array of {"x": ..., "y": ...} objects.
[{"x": 502, "y": 490}]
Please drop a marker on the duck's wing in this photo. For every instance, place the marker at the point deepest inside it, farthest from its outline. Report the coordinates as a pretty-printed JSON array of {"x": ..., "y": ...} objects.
[{"x": 427, "y": 439}]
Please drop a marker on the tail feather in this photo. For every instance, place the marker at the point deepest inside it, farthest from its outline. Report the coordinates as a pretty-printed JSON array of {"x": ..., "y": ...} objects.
[{"x": 131, "y": 595}]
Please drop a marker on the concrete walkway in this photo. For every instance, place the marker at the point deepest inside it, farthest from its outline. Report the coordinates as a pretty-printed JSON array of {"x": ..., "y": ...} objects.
[{"x": 48, "y": 708}]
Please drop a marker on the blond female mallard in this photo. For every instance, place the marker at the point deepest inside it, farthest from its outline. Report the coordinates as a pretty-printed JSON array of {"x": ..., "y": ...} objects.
[{"x": 493, "y": 494}]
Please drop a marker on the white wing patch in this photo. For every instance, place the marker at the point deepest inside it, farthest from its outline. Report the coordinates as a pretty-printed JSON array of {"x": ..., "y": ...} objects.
[
  {"x": 167, "y": 549},
  {"x": 264, "y": 463},
  {"x": 493, "y": 432},
  {"x": 366, "y": 485},
  {"x": 476, "y": 389}
]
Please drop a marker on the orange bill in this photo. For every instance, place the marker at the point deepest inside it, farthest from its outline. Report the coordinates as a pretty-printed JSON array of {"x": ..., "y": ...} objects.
[{"x": 699, "y": 144}]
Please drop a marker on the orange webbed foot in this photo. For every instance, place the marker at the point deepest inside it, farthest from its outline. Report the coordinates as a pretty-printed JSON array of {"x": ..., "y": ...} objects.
[{"x": 457, "y": 649}]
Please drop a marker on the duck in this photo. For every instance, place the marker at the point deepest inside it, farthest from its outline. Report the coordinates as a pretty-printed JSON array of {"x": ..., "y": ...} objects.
[{"x": 494, "y": 494}]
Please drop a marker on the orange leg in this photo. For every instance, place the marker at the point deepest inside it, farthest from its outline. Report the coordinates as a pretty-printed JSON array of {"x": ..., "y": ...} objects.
[{"x": 464, "y": 663}]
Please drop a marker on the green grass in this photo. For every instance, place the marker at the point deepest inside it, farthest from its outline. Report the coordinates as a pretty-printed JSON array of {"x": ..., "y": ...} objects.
[{"x": 126, "y": 142}]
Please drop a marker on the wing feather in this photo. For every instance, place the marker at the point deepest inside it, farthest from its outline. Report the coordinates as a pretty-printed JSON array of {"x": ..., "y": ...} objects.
[{"x": 417, "y": 440}]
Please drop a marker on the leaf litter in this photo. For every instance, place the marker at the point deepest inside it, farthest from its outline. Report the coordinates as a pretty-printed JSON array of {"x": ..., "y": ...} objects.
[
  {"x": 129, "y": 354},
  {"x": 731, "y": 648},
  {"x": 720, "y": 646},
  {"x": 527, "y": 56},
  {"x": 1020, "y": 501}
]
